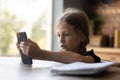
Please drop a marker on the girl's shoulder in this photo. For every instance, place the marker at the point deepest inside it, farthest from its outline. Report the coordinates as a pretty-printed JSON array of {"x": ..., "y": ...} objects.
[{"x": 91, "y": 53}]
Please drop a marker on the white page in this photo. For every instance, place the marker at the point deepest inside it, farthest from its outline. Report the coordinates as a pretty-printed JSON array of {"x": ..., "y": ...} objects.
[{"x": 82, "y": 68}]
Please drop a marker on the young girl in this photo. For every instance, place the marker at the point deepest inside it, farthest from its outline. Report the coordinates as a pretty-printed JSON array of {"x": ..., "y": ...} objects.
[{"x": 72, "y": 30}]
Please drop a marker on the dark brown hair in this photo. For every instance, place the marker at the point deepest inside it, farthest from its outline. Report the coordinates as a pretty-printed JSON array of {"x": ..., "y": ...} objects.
[{"x": 79, "y": 21}]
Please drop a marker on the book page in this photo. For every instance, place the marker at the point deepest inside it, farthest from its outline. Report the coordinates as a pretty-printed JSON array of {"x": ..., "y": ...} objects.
[{"x": 80, "y": 67}]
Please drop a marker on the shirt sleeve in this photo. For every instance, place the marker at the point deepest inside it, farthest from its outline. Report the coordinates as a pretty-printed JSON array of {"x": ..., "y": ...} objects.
[{"x": 91, "y": 53}]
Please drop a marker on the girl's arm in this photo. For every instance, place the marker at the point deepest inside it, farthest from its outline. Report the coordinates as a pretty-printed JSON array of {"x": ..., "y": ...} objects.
[
  {"x": 65, "y": 57},
  {"x": 31, "y": 49}
]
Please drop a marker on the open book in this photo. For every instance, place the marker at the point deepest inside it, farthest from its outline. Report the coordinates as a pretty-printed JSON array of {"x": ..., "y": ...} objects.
[{"x": 80, "y": 68}]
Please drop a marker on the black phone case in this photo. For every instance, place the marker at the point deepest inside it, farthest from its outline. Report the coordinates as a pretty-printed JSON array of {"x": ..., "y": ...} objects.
[{"x": 21, "y": 36}]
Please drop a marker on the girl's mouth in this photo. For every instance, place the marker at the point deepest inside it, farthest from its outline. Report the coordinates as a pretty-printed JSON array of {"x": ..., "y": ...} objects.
[{"x": 63, "y": 48}]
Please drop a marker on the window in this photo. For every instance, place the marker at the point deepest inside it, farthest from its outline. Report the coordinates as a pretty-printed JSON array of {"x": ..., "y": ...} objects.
[{"x": 31, "y": 16}]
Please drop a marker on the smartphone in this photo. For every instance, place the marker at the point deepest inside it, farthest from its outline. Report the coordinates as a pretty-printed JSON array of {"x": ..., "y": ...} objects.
[{"x": 22, "y": 36}]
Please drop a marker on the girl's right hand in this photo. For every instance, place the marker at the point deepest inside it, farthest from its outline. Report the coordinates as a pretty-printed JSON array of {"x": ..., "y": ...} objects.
[{"x": 30, "y": 48}]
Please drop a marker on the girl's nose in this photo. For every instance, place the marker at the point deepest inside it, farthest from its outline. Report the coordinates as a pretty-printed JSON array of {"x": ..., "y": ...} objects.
[{"x": 62, "y": 40}]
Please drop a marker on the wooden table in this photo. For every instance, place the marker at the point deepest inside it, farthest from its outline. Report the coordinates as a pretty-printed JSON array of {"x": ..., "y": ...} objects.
[{"x": 12, "y": 69}]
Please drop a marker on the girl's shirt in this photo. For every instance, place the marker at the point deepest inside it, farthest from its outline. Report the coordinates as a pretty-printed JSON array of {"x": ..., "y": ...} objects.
[{"x": 91, "y": 53}]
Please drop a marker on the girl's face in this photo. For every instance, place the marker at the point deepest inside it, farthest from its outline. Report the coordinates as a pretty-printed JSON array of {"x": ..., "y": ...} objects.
[{"x": 68, "y": 38}]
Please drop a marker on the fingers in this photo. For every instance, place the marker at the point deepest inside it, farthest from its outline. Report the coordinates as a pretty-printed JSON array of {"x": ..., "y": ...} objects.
[
  {"x": 17, "y": 45},
  {"x": 27, "y": 47},
  {"x": 29, "y": 39},
  {"x": 23, "y": 46}
]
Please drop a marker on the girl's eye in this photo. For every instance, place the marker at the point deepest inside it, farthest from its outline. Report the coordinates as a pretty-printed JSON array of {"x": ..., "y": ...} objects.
[
  {"x": 64, "y": 34},
  {"x": 67, "y": 34}
]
